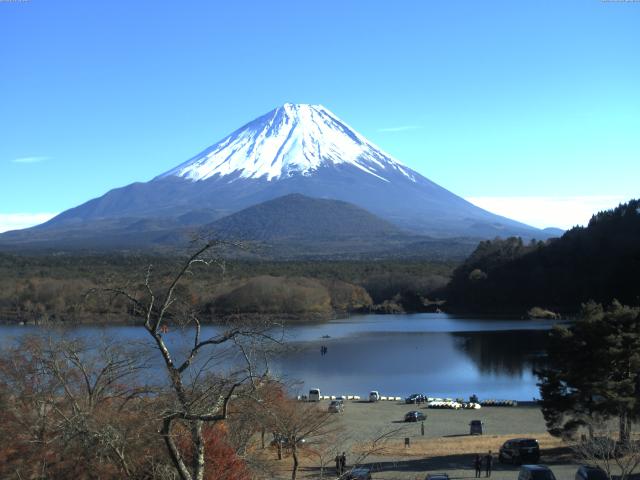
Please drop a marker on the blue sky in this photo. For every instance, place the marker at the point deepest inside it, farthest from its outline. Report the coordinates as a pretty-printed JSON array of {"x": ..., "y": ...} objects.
[{"x": 530, "y": 108}]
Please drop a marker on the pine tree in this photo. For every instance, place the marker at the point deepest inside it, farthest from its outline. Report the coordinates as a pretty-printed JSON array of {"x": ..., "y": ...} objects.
[{"x": 593, "y": 371}]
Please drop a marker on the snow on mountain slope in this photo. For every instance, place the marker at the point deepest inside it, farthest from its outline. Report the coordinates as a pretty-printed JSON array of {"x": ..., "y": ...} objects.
[
  {"x": 294, "y": 149},
  {"x": 290, "y": 140}
]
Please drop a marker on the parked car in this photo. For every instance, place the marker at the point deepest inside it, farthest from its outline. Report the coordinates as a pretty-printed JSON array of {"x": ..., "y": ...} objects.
[
  {"x": 535, "y": 472},
  {"x": 415, "y": 398},
  {"x": 336, "y": 406},
  {"x": 519, "y": 451},
  {"x": 589, "y": 472},
  {"x": 414, "y": 416},
  {"x": 437, "y": 476},
  {"x": 359, "y": 473},
  {"x": 475, "y": 427},
  {"x": 374, "y": 396}
]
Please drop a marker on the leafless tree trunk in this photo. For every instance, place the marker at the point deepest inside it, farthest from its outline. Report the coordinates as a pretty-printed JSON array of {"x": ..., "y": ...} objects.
[
  {"x": 296, "y": 462},
  {"x": 194, "y": 402},
  {"x": 297, "y": 425}
]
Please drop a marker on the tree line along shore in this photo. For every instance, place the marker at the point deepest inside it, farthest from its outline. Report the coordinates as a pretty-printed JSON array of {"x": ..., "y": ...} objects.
[
  {"x": 43, "y": 289},
  {"x": 509, "y": 276}
]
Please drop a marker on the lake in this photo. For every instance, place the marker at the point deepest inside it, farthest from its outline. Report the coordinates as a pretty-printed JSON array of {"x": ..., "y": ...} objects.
[{"x": 438, "y": 354}]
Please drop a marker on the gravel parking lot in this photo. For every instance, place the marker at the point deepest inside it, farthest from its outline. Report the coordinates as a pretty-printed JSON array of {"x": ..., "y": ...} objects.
[
  {"x": 365, "y": 419},
  {"x": 446, "y": 445}
]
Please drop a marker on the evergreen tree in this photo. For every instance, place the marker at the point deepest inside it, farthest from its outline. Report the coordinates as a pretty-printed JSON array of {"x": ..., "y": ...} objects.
[
  {"x": 593, "y": 371},
  {"x": 598, "y": 262}
]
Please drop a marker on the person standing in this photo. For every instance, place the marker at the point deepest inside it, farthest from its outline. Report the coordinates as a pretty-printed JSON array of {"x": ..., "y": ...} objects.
[
  {"x": 477, "y": 463},
  {"x": 422, "y": 428},
  {"x": 338, "y": 464},
  {"x": 343, "y": 463},
  {"x": 488, "y": 460}
]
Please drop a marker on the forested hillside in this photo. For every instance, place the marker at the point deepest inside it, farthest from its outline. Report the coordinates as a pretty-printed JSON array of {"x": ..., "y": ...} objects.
[
  {"x": 53, "y": 288},
  {"x": 599, "y": 262}
]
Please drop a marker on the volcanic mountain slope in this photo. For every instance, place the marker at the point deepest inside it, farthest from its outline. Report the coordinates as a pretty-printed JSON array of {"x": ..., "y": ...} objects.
[
  {"x": 292, "y": 227},
  {"x": 295, "y": 226},
  {"x": 302, "y": 149},
  {"x": 298, "y": 218}
]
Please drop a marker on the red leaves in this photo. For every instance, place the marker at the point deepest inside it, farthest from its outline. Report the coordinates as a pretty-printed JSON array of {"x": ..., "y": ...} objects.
[{"x": 221, "y": 460}]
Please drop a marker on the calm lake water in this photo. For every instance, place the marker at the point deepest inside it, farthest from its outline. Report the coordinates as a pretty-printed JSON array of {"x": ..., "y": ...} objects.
[{"x": 437, "y": 354}]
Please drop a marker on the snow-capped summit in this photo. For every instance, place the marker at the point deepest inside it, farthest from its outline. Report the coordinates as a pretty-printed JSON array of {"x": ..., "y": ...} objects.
[
  {"x": 294, "y": 139},
  {"x": 294, "y": 150}
]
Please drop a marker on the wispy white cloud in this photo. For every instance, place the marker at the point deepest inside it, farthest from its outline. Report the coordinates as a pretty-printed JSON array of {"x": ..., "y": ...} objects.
[
  {"x": 17, "y": 221},
  {"x": 547, "y": 211},
  {"x": 402, "y": 128},
  {"x": 32, "y": 159}
]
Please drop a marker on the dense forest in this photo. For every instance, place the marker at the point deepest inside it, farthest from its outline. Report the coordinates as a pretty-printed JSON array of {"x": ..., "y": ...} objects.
[
  {"x": 55, "y": 287},
  {"x": 599, "y": 262}
]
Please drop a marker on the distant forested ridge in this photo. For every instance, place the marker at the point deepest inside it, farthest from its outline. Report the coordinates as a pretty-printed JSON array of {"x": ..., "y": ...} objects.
[
  {"x": 41, "y": 289},
  {"x": 600, "y": 262}
]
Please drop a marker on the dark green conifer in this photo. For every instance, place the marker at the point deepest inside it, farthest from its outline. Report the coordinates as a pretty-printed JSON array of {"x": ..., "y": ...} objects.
[{"x": 593, "y": 371}]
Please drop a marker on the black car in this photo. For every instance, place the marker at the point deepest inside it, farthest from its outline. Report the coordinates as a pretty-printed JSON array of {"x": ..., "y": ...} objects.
[
  {"x": 588, "y": 472},
  {"x": 475, "y": 427},
  {"x": 535, "y": 472},
  {"x": 415, "y": 398},
  {"x": 519, "y": 451},
  {"x": 414, "y": 416}
]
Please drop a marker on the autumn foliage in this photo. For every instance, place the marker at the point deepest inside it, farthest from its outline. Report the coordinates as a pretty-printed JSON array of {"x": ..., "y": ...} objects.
[{"x": 222, "y": 462}]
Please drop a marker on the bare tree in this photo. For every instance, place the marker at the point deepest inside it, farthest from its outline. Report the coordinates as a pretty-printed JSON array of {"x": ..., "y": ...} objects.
[
  {"x": 376, "y": 445},
  {"x": 200, "y": 389},
  {"x": 297, "y": 426},
  {"x": 70, "y": 402},
  {"x": 333, "y": 443},
  {"x": 337, "y": 441},
  {"x": 604, "y": 449}
]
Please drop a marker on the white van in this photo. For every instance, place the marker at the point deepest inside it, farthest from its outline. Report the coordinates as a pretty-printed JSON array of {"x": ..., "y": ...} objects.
[
  {"x": 374, "y": 396},
  {"x": 314, "y": 395}
]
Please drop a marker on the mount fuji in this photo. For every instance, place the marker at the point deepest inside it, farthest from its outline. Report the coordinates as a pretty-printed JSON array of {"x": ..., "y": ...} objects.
[
  {"x": 288, "y": 141},
  {"x": 293, "y": 149}
]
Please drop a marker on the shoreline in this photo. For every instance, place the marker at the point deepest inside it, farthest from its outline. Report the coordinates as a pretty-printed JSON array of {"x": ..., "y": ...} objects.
[
  {"x": 297, "y": 318},
  {"x": 90, "y": 320}
]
